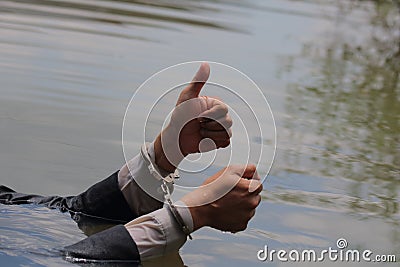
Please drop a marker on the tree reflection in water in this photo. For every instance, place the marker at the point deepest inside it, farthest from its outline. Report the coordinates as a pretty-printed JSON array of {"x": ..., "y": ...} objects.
[{"x": 347, "y": 102}]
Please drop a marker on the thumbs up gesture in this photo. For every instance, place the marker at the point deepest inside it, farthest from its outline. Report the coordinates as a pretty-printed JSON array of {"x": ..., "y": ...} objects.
[{"x": 198, "y": 124}]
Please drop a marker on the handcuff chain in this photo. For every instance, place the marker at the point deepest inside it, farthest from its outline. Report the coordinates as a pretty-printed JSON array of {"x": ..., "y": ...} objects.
[
  {"x": 172, "y": 208},
  {"x": 169, "y": 179}
]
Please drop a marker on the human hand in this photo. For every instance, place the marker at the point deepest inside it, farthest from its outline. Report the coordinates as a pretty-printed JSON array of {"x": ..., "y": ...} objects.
[
  {"x": 198, "y": 124},
  {"x": 234, "y": 209}
]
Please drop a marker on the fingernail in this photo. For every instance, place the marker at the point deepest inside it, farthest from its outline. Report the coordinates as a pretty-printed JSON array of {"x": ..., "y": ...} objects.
[{"x": 253, "y": 185}]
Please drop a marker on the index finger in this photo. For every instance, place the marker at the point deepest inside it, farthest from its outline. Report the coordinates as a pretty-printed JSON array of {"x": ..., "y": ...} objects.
[{"x": 215, "y": 109}]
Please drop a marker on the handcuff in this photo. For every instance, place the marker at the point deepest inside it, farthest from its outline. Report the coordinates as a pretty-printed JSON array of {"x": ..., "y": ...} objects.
[{"x": 166, "y": 182}]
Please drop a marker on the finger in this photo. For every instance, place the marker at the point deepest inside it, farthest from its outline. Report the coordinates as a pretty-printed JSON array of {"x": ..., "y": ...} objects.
[
  {"x": 222, "y": 143},
  {"x": 250, "y": 172},
  {"x": 255, "y": 187},
  {"x": 216, "y": 135},
  {"x": 254, "y": 201},
  {"x": 217, "y": 125},
  {"x": 258, "y": 200},
  {"x": 252, "y": 213},
  {"x": 193, "y": 89},
  {"x": 216, "y": 110},
  {"x": 244, "y": 185}
]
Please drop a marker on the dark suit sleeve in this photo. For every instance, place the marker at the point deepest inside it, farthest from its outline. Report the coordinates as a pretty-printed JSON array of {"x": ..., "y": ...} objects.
[
  {"x": 102, "y": 204},
  {"x": 112, "y": 245},
  {"x": 103, "y": 201}
]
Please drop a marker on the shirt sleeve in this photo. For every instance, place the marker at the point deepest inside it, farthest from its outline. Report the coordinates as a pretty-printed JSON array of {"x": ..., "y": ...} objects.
[
  {"x": 149, "y": 236},
  {"x": 157, "y": 233},
  {"x": 139, "y": 187}
]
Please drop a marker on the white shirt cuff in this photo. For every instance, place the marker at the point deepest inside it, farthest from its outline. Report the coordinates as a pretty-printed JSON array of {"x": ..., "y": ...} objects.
[
  {"x": 185, "y": 214},
  {"x": 157, "y": 233},
  {"x": 140, "y": 188}
]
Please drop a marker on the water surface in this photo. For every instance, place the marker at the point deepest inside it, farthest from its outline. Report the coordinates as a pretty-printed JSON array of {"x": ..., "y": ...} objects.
[{"x": 330, "y": 70}]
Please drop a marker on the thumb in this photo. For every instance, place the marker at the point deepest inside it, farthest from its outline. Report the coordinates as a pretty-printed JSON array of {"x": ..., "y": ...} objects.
[
  {"x": 250, "y": 172},
  {"x": 193, "y": 89}
]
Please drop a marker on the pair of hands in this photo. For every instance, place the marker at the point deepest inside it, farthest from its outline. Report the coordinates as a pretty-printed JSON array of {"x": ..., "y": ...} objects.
[{"x": 200, "y": 124}]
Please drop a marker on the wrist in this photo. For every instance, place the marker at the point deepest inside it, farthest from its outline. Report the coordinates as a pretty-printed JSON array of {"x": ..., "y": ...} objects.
[
  {"x": 167, "y": 158},
  {"x": 199, "y": 217},
  {"x": 160, "y": 157},
  {"x": 200, "y": 214}
]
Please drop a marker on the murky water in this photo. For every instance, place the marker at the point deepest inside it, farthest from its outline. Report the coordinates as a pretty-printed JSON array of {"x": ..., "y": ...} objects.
[{"x": 330, "y": 70}]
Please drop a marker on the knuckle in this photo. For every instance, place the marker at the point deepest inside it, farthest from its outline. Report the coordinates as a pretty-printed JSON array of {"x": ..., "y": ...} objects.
[
  {"x": 219, "y": 107},
  {"x": 236, "y": 169},
  {"x": 243, "y": 226},
  {"x": 229, "y": 121},
  {"x": 261, "y": 187},
  {"x": 253, "y": 166},
  {"x": 254, "y": 203},
  {"x": 252, "y": 213},
  {"x": 257, "y": 189},
  {"x": 244, "y": 185},
  {"x": 227, "y": 143},
  {"x": 224, "y": 108},
  {"x": 257, "y": 201},
  {"x": 229, "y": 132}
]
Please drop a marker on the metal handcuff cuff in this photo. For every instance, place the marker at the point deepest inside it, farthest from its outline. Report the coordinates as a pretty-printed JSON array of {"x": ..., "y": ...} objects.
[{"x": 166, "y": 181}]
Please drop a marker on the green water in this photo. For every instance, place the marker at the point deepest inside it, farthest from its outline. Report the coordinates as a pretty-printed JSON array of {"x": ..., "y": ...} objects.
[{"x": 330, "y": 70}]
